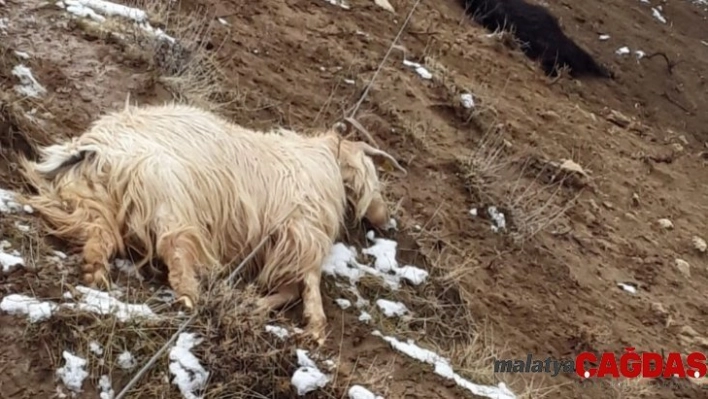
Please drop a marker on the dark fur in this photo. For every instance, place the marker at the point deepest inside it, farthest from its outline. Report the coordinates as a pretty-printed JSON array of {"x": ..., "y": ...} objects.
[{"x": 539, "y": 33}]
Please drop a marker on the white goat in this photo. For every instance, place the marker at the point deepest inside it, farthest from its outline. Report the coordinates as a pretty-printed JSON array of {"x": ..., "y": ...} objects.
[{"x": 197, "y": 191}]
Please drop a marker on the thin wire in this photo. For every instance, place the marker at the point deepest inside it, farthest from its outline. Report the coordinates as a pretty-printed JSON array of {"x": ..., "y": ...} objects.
[{"x": 393, "y": 44}]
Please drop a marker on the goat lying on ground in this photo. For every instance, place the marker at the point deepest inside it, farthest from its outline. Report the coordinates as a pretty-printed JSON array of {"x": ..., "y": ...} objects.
[
  {"x": 540, "y": 34},
  {"x": 198, "y": 192}
]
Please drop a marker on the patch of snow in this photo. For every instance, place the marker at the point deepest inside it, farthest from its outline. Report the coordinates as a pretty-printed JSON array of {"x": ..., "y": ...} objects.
[
  {"x": 223, "y": 21},
  {"x": 7, "y": 201},
  {"x": 73, "y": 374},
  {"x": 341, "y": 261},
  {"x": 414, "y": 275},
  {"x": 96, "y": 348},
  {"x": 190, "y": 375},
  {"x": 22, "y": 55},
  {"x": 629, "y": 288},
  {"x": 364, "y": 317},
  {"x": 307, "y": 377},
  {"x": 21, "y": 304},
  {"x": 473, "y": 211},
  {"x": 640, "y": 54},
  {"x": 359, "y": 392},
  {"x": 385, "y": 5},
  {"x": 111, "y": 9},
  {"x": 103, "y": 303},
  {"x": 467, "y": 100},
  {"x": 657, "y": 14},
  {"x": 125, "y": 360},
  {"x": 604, "y": 37},
  {"x": 391, "y": 309},
  {"x": 104, "y": 384},
  {"x": 343, "y": 303},
  {"x": 384, "y": 251},
  {"x": 443, "y": 369},
  {"x": 28, "y": 86},
  {"x": 424, "y": 73},
  {"x": 279, "y": 332},
  {"x": 81, "y": 11},
  {"x": 339, "y": 3},
  {"x": 498, "y": 218},
  {"x": 622, "y": 51},
  {"x": 9, "y": 261}
]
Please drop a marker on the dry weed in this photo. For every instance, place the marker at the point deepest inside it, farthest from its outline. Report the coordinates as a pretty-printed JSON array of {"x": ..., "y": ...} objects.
[{"x": 532, "y": 195}]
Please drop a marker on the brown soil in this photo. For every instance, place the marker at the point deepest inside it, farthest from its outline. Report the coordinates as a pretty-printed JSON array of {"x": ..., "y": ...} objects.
[{"x": 551, "y": 294}]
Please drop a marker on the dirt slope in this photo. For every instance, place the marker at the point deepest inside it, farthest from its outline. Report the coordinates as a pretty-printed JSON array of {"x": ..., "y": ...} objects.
[{"x": 304, "y": 63}]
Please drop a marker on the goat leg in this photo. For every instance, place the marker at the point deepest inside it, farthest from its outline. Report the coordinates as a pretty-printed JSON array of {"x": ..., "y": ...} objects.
[
  {"x": 176, "y": 250},
  {"x": 313, "y": 308},
  {"x": 98, "y": 249}
]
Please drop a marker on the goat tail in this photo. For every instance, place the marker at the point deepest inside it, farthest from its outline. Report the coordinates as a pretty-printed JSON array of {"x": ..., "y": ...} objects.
[{"x": 57, "y": 156}]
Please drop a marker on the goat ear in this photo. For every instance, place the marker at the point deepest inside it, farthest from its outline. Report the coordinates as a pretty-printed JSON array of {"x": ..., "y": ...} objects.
[{"x": 373, "y": 152}]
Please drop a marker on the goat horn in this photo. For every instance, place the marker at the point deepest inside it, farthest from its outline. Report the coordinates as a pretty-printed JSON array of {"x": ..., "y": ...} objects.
[
  {"x": 354, "y": 123},
  {"x": 372, "y": 152}
]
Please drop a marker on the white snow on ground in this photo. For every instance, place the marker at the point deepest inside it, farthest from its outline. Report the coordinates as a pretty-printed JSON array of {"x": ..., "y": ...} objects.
[
  {"x": 126, "y": 360},
  {"x": 28, "y": 86},
  {"x": 391, "y": 309},
  {"x": 343, "y": 303},
  {"x": 420, "y": 70},
  {"x": 35, "y": 310},
  {"x": 498, "y": 218},
  {"x": 307, "y": 377},
  {"x": 364, "y": 317},
  {"x": 279, "y": 332},
  {"x": 190, "y": 375},
  {"x": 96, "y": 348},
  {"x": 73, "y": 373},
  {"x": 98, "y": 10},
  {"x": 9, "y": 205},
  {"x": 92, "y": 301},
  {"x": 9, "y": 261},
  {"x": 622, "y": 51},
  {"x": 443, "y": 368},
  {"x": 657, "y": 14},
  {"x": 629, "y": 288},
  {"x": 103, "y": 303},
  {"x": 359, "y": 392},
  {"x": 104, "y": 384},
  {"x": 386, "y": 266}
]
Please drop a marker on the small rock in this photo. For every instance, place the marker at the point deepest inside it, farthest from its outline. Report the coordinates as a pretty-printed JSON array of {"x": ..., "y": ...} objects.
[
  {"x": 571, "y": 166},
  {"x": 635, "y": 199},
  {"x": 683, "y": 267},
  {"x": 688, "y": 331},
  {"x": 699, "y": 244},
  {"x": 618, "y": 119},
  {"x": 550, "y": 115},
  {"x": 666, "y": 224},
  {"x": 677, "y": 147}
]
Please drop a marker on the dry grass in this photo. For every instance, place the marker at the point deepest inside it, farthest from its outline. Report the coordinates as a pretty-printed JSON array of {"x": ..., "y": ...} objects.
[
  {"x": 533, "y": 194},
  {"x": 635, "y": 388}
]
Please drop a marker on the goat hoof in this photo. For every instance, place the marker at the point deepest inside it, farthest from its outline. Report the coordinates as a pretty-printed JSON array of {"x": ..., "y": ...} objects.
[
  {"x": 316, "y": 334},
  {"x": 97, "y": 280},
  {"x": 186, "y": 302}
]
